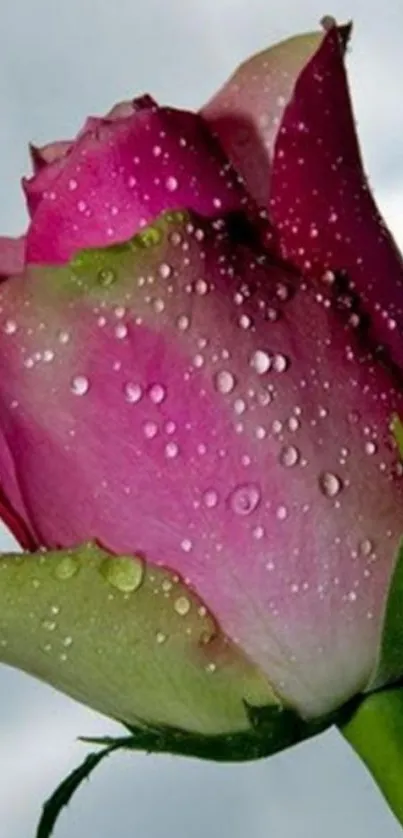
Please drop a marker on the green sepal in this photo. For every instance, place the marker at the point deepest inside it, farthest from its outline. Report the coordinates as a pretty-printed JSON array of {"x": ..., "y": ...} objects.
[
  {"x": 389, "y": 665},
  {"x": 375, "y": 732},
  {"x": 272, "y": 729}
]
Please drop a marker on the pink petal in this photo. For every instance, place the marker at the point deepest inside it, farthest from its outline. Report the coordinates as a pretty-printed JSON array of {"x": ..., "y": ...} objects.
[
  {"x": 44, "y": 155},
  {"x": 320, "y": 203},
  {"x": 13, "y": 511},
  {"x": 245, "y": 114},
  {"x": 121, "y": 176},
  {"x": 12, "y": 256},
  {"x": 185, "y": 398}
]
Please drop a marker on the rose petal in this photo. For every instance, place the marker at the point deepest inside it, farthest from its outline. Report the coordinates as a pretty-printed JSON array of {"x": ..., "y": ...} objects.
[
  {"x": 13, "y": 511},
  {"x": 42, "y": 156},
  {"x": 12, "y": 256},
  {"x": 245, "y": 114},
  {"x": 185, "y": 398},
  {"x": 120, "y": 177},
  {"x": 320, "y": 201}
]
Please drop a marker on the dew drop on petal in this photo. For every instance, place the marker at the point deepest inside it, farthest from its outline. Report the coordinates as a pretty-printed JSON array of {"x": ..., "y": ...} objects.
[
  {"x": 150, "y": 430},
  {"x": 186, "y": 545},
  {"x": 171, "y": 183},
  {"x": 210, "y": 498},
  {"x": 289, "y": 456},
  {"x": 157, "y": 393},
  {"x": 224, "y": 382},
  {"x": 330, "y": 484},
  {"x": 365, "y": 547},
  {"x": 133, "y": 392},
  {"x": 239, "y": 407},
  {"x": 171, "y": 450},
  {"x": 165, "y": 270},
  {"x": 280, "y": 363},
  {"x": 80, "y": 385},
  {"x": 183, "y": 322},
  {"x": 10, "y": 327},
  {"x": 245, "y": 499},
  {"x": 260, "y": 361}
]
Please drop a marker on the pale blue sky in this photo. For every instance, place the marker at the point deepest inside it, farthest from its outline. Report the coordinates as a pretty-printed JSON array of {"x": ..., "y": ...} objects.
[{"x": 58, "y": 62}]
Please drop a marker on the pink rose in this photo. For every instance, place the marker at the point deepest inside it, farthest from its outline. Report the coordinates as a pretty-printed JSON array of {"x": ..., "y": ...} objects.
[{"x": 201, "y": 361}]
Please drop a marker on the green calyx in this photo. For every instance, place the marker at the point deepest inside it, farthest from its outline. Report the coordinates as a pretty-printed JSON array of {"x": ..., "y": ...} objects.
[
  {"x": 128, "y": 638},
  {"x": 375, "y": 732}
]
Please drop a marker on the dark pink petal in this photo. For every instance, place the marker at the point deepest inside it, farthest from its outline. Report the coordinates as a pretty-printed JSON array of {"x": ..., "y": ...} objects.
[
  {"x": 12, "y": 256},
  {"x": 320, "y": 203},
  {"x": 41, "y": 156},
  {"x": 245, "y": 114},
  {"x": 118, "y": 178},
  {"x": 185, "y": 398},
  {"x": 13, "y": 511}
]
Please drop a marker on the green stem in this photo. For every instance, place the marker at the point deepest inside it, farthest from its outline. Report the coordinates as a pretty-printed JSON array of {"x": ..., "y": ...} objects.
[{"x": 375, "y": 731}]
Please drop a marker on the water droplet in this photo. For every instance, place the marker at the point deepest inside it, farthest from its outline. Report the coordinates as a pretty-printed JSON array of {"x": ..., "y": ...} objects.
[
  {"x": 330, "y": 484},
  {"x": 125, "y": 573},
  {"x": 165, "y": 270},
  {"x": 201, "y": 287},
  {"x": 48, "y": 625},
  {"x": 106, "y": 277},
  {"x": 224, "y": 382},
  {"x": 183, "y": 322},
  {"x": 157, "y": 393},
  {"x": 280, "y": 363},
  {"x": 150, "y": 430},
  {"x": 244, "y": 499},
  {"x": 171, "y": 450},
  {"x": 186, "y": 545},
  {"x": 182, "y": 606},
  {"x": 10, "y": 327},
  {"x": 239, "y": 406},
  {"x": 67, "y": 567},
  {"x": 210, "y": 498},
  {"x": 160, "y": 637},
  {"x": 370, "y": 448},
  {"x": 133, "y": 392},
  {"x": 171, "y": 183},
  {"x": 121, "y": 331},
  {"x": 245, "y": 321},
  {"x": 80, "y": 385},
  {"x": 67, "y": 641},
  {"x": 260, "y": 361},
  {"x": 63, "y": 337},
  {"x": 365, "y": 547},
  {"x": 258, "y": 532},
  {"x": 281, "y": 513},
  {"x": 289, "y": 456}
]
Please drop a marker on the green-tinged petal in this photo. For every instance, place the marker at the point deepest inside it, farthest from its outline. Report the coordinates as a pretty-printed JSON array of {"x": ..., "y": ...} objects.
[
  {"x": 127, "y": 638},
  {"x": 389, "y": 666},
  {"x": 375, "y": 731},
  {"x": 396, "y": 427}
]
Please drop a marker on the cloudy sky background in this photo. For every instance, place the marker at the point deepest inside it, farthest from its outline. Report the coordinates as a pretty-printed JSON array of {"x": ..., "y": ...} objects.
[{"x": 60, "y": 61}]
